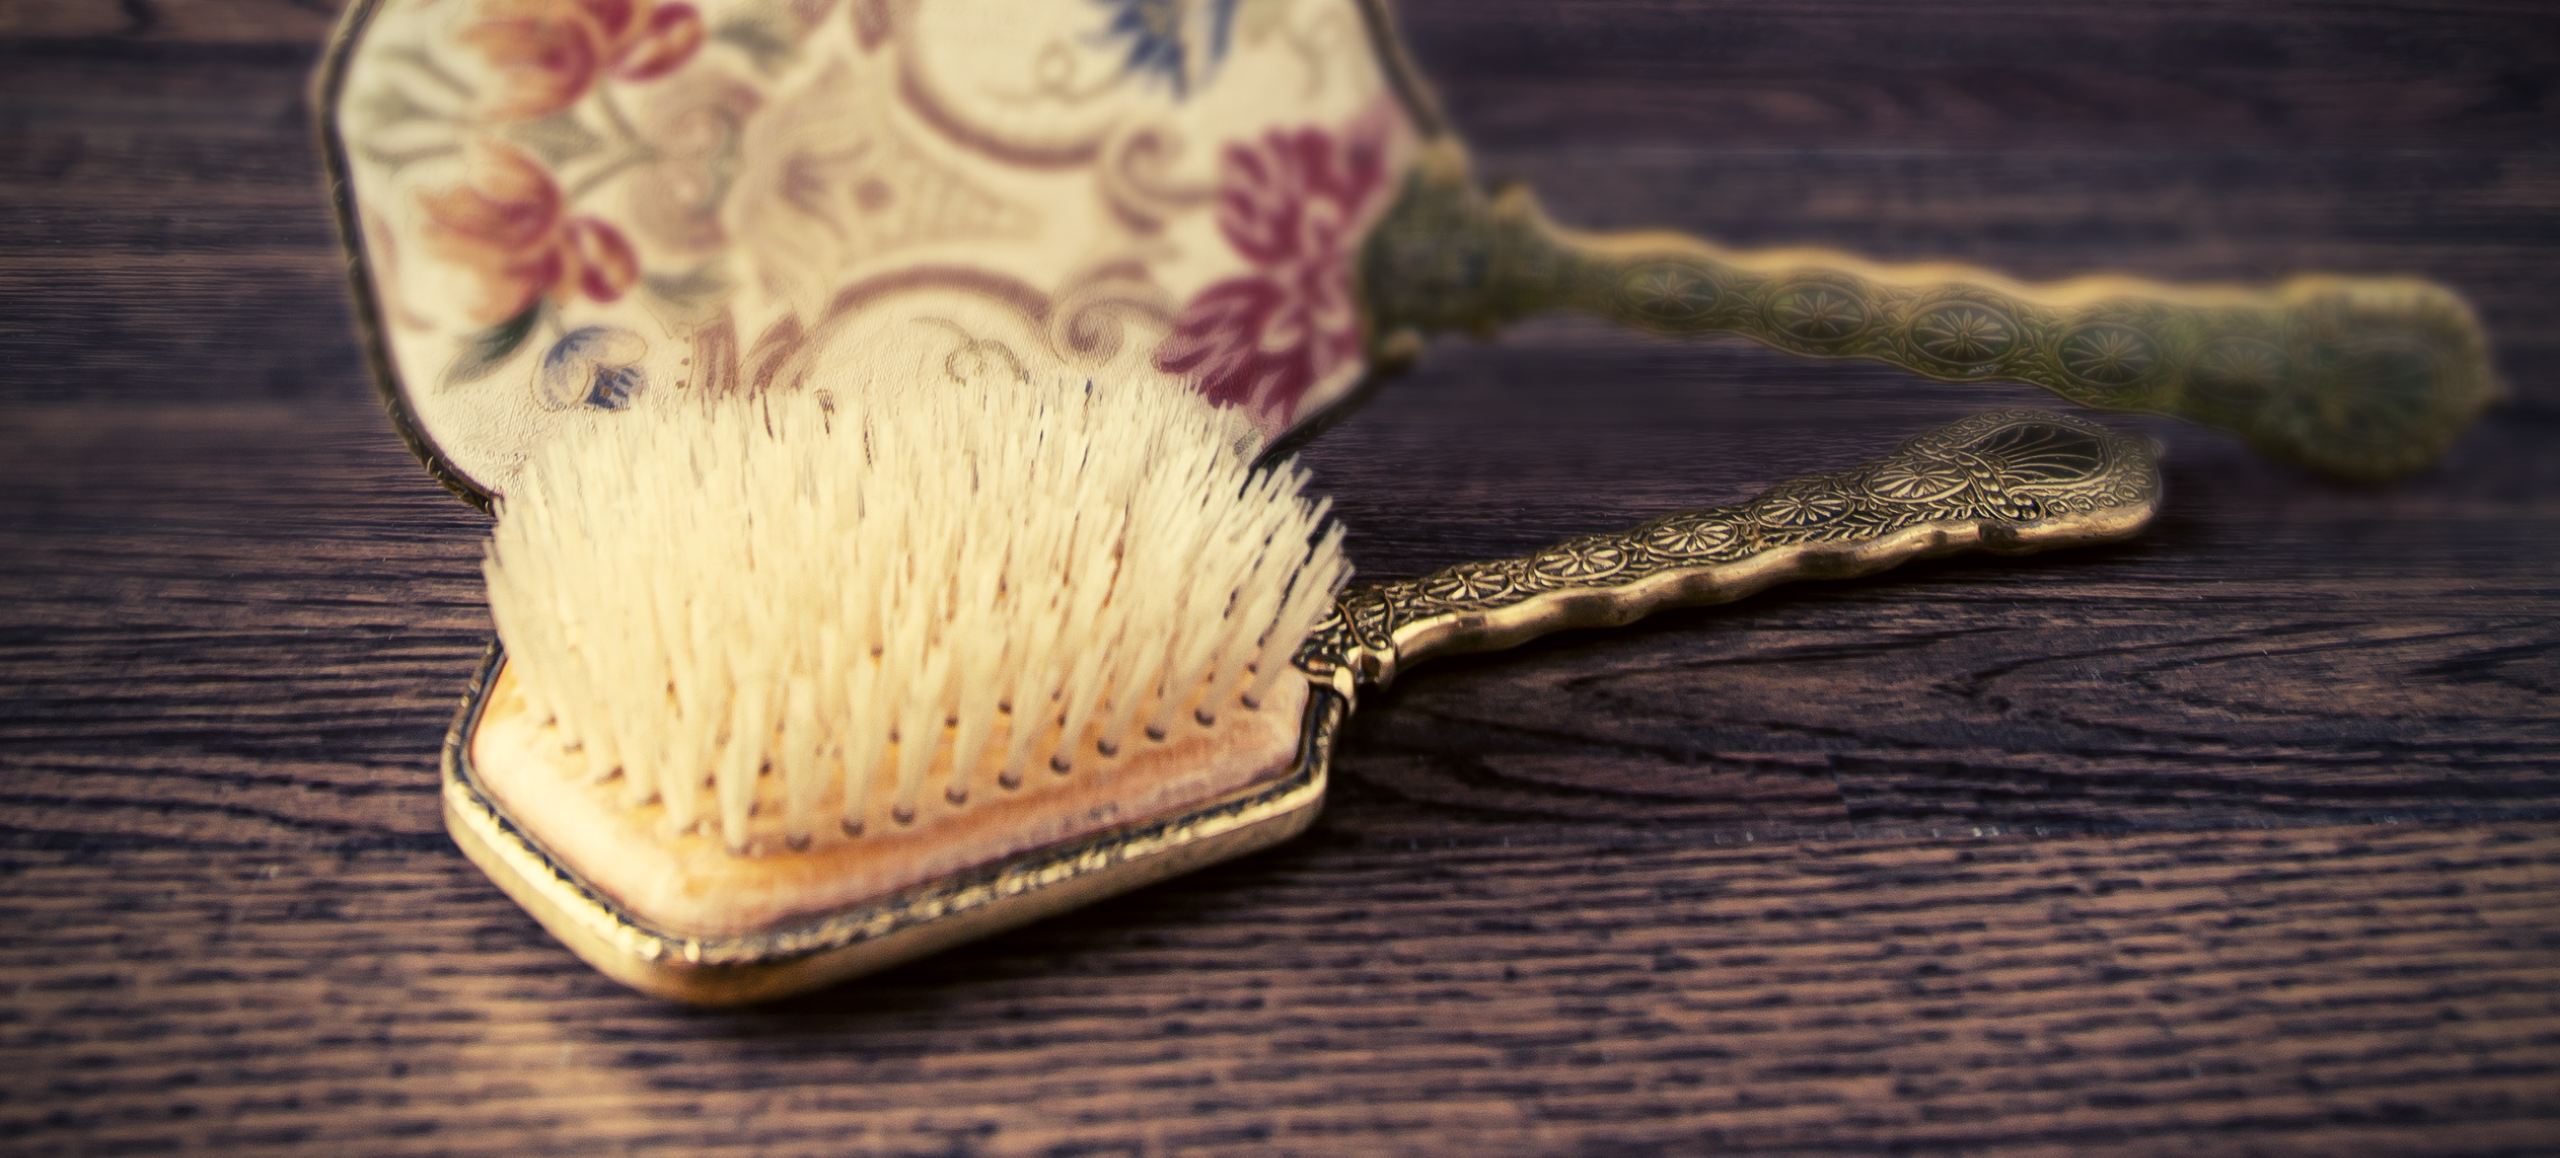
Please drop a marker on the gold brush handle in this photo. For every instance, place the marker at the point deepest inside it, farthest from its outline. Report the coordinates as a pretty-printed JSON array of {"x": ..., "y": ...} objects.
[
  {"x": 2362, "y": 378},
  {"x": 2012, "y": 482}
]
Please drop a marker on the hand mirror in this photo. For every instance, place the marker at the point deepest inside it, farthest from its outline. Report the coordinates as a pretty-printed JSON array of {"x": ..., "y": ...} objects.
[{"x": 563, "y": 207}]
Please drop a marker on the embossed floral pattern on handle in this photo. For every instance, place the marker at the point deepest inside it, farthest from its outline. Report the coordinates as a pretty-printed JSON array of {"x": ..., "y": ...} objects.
[{"x": 2011, "y": 482}]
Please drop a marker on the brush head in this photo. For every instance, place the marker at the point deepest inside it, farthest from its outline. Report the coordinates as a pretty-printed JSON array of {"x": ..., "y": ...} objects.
[{"x": 770, "y": 655}]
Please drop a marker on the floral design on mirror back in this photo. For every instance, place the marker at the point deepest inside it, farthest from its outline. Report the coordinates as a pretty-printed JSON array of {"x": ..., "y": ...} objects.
[{"x": 571, "y": 207}]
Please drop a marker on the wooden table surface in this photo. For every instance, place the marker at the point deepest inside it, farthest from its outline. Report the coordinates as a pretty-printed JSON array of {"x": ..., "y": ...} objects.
[{"x": 2242, "y": 838}]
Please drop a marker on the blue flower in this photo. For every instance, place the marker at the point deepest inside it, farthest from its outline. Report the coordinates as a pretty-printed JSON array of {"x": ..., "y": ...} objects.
[
  {"x": 1160, "y": 45},
  {"x": 615, "y": 385},
  {"x": 593, "y": 366}
]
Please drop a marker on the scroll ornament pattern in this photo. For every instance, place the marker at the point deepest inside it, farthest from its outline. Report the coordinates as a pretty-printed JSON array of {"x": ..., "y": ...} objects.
[
  {"x": 2343, "y": 384},
  {"x": 2096, "y": 356},
  {"x": 2359, "y": 377},
  {"x": 2004, "y": 468},
  {"x": 2233, "y": 367}
]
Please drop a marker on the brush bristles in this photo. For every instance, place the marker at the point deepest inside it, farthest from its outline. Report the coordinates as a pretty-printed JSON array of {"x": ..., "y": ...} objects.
[{"x": 921, "y": 592}]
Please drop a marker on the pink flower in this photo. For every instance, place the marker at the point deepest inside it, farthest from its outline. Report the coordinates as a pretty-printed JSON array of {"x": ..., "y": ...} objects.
[
  {"x": 1294, "y": 206},
  {"x": 506, "y": 223},
  {"x": 550, "y": 52}
]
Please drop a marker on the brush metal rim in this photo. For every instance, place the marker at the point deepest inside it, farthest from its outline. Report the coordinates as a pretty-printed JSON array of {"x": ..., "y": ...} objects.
[{"x": 875, "y": 934}]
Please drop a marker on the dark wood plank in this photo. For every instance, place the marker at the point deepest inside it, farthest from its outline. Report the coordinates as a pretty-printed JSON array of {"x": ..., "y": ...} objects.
[
  {"x": 199, "y": 26},
  {"x": 2369, "y": 990},
  {"x": 2000, "y": 74}
]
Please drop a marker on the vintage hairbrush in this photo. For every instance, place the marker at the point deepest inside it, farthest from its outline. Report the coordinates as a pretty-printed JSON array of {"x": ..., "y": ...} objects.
[
  {"x": 569, "y": 218},
  {"x": 696, "y": 865}
]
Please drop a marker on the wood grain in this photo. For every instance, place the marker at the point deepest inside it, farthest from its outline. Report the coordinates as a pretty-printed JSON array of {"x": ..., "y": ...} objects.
[
  {"x": 2239, "y": 839},
  {"x": 2370, "y": 990}
]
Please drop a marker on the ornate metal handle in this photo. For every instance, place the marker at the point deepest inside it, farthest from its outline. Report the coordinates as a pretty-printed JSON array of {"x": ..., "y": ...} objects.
[
  {"x": 2364, "y": 378},
  {"x": 2013, "y": 482}
]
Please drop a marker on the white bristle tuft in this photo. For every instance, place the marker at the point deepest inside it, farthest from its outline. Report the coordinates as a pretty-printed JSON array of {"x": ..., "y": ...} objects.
[{"x": 919, "y": 597}]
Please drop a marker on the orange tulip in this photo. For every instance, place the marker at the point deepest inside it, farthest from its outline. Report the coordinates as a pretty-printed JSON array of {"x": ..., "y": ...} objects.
[
  {"x": 506, "y": 223},
  {"x": 550, "y": 52}
]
